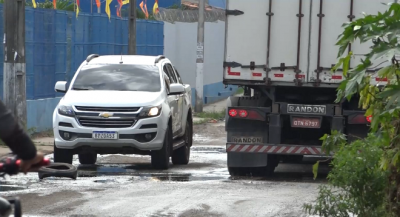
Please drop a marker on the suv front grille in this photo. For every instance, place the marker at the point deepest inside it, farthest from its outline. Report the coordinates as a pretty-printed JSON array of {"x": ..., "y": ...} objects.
[
  {"x": 107, "y": 109},
  {"x": 106, "y": 122}
]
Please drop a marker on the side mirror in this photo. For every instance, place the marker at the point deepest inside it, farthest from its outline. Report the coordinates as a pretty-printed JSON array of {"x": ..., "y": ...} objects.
[
  {"x": 61, "y": 87},
  {"x": 176, "y": 89}
]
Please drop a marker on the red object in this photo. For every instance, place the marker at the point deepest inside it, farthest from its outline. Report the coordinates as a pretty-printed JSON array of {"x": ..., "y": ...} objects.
[
  {"x": 278, "y": 75},
  {"x": 300, "y": 76},
  {"x": 274, "y": 149},
  {"x": 233, "y": 73},
  {"x": 119, "y": 8},
  {"x": 381, "y": 79},
  {"x": 257, "y": 74},
  {"x": 232, "y": 112},
  {"x": 369, "y": 118},
  {"x": 243, "y": 113},
  {"x": 337, "y": 77},
  {"x": 98, "y": 3},
  {"x": 306, "y": 122}
]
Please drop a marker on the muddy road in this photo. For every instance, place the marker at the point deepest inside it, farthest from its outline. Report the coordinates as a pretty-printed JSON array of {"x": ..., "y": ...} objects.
[{"x": 127, "y": 186}]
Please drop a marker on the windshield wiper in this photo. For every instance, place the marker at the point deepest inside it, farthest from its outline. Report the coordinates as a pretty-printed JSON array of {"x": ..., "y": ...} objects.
[{"x": 77, "y": 88}]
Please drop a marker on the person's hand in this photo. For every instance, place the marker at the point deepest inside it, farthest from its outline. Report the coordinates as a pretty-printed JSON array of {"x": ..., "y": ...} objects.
[{"x": 27, "y": 164}]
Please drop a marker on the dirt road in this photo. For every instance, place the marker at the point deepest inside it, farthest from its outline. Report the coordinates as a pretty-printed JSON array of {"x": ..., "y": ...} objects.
[{"x": 127, "y": 186}]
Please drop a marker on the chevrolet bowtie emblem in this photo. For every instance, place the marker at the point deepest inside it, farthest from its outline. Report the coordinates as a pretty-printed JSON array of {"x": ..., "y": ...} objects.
[{"x": 106, "y": 115}]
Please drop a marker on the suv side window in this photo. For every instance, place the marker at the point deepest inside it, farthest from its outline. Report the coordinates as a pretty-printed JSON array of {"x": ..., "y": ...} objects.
[
  {"x": 170, "y": 72},
  {"x": 178, "y": 76}
]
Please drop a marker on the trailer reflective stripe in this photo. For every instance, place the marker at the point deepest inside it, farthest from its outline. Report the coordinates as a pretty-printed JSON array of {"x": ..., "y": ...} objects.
[
  {"x": 300, "y": 150},
  {"x": 311, "y": 150},
  {"x": 254, "y": 148},
  {"x": 276, "y": 149},
  {"x": 281, "y": 149}
]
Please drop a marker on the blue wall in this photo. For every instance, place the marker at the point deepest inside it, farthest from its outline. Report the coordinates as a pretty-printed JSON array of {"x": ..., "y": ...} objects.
[{"x": 57, "y": 43}]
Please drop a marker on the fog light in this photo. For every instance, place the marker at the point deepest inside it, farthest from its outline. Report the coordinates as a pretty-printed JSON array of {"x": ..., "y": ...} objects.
[
  {"x": 147, "y": 136},
  {"x": 67, "y": 135}
]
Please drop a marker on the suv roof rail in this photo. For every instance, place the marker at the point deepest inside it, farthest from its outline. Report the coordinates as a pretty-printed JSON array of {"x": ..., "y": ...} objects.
[
  {"x": 158, "y": 58},
  {"x": 91, "y": 56}
]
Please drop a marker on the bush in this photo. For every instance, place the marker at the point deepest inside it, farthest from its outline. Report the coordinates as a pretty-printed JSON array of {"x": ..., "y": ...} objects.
[{"x": 356, "y": 183}]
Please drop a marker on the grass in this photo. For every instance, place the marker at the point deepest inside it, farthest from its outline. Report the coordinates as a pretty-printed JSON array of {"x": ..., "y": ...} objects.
[
  {"x": 240, "y": 90},
  {"x": 211, "y": 115}
]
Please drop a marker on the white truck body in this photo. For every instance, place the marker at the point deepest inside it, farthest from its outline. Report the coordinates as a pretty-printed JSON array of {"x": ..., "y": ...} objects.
[{"x": 247, "y": 40}]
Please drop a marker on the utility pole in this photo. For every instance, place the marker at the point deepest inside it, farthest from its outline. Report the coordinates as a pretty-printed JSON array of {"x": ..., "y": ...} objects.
[
  {"x": 132, "y": 28},
  {"x": 14, "y": 71},
  {"x": 200, "y": 58}
]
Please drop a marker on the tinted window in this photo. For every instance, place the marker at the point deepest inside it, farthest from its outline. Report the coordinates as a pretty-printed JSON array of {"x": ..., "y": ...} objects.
[
  {"x": 170, "y": 73},
  {"x": 118, "y": 77},
  {"x": 179, "y": 77}
]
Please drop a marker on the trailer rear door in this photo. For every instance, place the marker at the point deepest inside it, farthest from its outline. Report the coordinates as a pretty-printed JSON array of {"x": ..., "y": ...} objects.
[
  {"x": 290, "y": 42},
  {"x": 267, "y": 33},
  {"x": 325, "y": 30}
]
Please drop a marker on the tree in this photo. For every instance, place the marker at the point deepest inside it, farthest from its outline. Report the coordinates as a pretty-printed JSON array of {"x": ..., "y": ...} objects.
[{"x": 365, "y": 179}]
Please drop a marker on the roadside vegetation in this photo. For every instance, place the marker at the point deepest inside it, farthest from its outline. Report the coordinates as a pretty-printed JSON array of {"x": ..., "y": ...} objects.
[{"x": 365, "y": 176}]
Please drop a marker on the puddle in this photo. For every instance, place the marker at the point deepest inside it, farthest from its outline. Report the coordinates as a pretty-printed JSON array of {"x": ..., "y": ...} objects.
[
  {"x": 102, "y": 171},
  {"x": 183, "y": 177},
  {"x": 4, "y": 188}
]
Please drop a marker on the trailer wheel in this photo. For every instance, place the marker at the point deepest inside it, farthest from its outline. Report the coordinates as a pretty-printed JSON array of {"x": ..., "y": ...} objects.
[{"x": 237, "y": 171}]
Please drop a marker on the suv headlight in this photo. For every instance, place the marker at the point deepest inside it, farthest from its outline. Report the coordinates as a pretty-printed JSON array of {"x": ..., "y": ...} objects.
[
  {"x": 66, "y": 110},
  {"x": 150, "y": 111}
]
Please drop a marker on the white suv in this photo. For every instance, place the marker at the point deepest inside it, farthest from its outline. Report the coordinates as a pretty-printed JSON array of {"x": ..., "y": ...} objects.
[{"x": 124, "y": 105}]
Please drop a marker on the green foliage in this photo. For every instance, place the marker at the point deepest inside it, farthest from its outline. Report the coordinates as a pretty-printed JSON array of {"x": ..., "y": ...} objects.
[
  {"x": 365, "y": 178},
  {"x": 357, "y": 182},
  {"x": 212, "y": 115}
]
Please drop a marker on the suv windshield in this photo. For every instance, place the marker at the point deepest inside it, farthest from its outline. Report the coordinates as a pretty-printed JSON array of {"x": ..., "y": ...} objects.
[{"x": 118, "y": 77}]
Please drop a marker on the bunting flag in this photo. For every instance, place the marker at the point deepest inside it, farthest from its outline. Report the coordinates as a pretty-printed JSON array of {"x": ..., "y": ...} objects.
[
  {"x": 98, "y": 3},
  {"x": 77, "y": 8},
  {"x": 124, "y": 2},
  {"x": 108, "y": 12},
  {"x": 34, "y": 3},
  {"x": 55, "y": 4},
  {"x": 119, "y": 8},
  {"x": 144, "y": 9},
  {"x": 155, "y": 7}
]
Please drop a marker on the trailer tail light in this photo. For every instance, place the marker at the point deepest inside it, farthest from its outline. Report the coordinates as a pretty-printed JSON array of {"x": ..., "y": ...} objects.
[
  {"x": 243, "y": 113},
  {"x": 369, "y": 118},
  {"x": 232, "y": 112},
  {"x": 246, "y": 114}
]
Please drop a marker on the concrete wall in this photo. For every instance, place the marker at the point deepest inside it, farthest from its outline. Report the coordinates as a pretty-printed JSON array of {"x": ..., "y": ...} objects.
[{"x": 180, "y": 41}]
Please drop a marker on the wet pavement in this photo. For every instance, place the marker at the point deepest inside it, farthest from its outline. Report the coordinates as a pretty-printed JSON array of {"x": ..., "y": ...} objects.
[{"x": 126, "y": 185}]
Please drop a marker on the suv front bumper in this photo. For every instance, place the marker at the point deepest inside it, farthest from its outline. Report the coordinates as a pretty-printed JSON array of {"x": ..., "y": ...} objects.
[{"x": 131, "y": 137}]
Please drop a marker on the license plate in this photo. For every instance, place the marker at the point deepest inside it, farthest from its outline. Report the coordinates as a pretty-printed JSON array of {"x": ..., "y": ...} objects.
[
  {"x": 306, "y": 122},
  {"x": 104, "y": 135},
  {"x": 247, "y": 139}
]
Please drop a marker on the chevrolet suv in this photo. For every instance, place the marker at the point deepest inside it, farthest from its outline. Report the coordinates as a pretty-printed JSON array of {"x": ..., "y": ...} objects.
[{"x": 124, "y": 104}]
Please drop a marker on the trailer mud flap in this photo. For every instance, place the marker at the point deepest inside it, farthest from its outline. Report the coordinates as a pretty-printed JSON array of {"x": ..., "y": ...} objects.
[{"x": 247, "y": 160}]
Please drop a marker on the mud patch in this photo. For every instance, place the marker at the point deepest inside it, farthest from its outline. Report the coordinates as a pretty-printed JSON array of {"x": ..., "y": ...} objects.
[
  {"x": 10, "y": 188},
  {"x": 204, "y": 211}
]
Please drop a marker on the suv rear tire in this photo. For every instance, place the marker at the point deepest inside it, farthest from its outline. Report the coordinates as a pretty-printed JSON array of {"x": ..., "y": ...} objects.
[
  {"x": 160, "y": 158},
  {"x": 87, "y": 158},
  {"x": 181, "y": 156},
  {"x": 62, "y": 155}
]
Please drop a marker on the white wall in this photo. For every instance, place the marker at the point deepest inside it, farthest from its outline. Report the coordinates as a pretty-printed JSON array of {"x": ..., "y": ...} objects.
[{"x": 180, "y": 41}]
